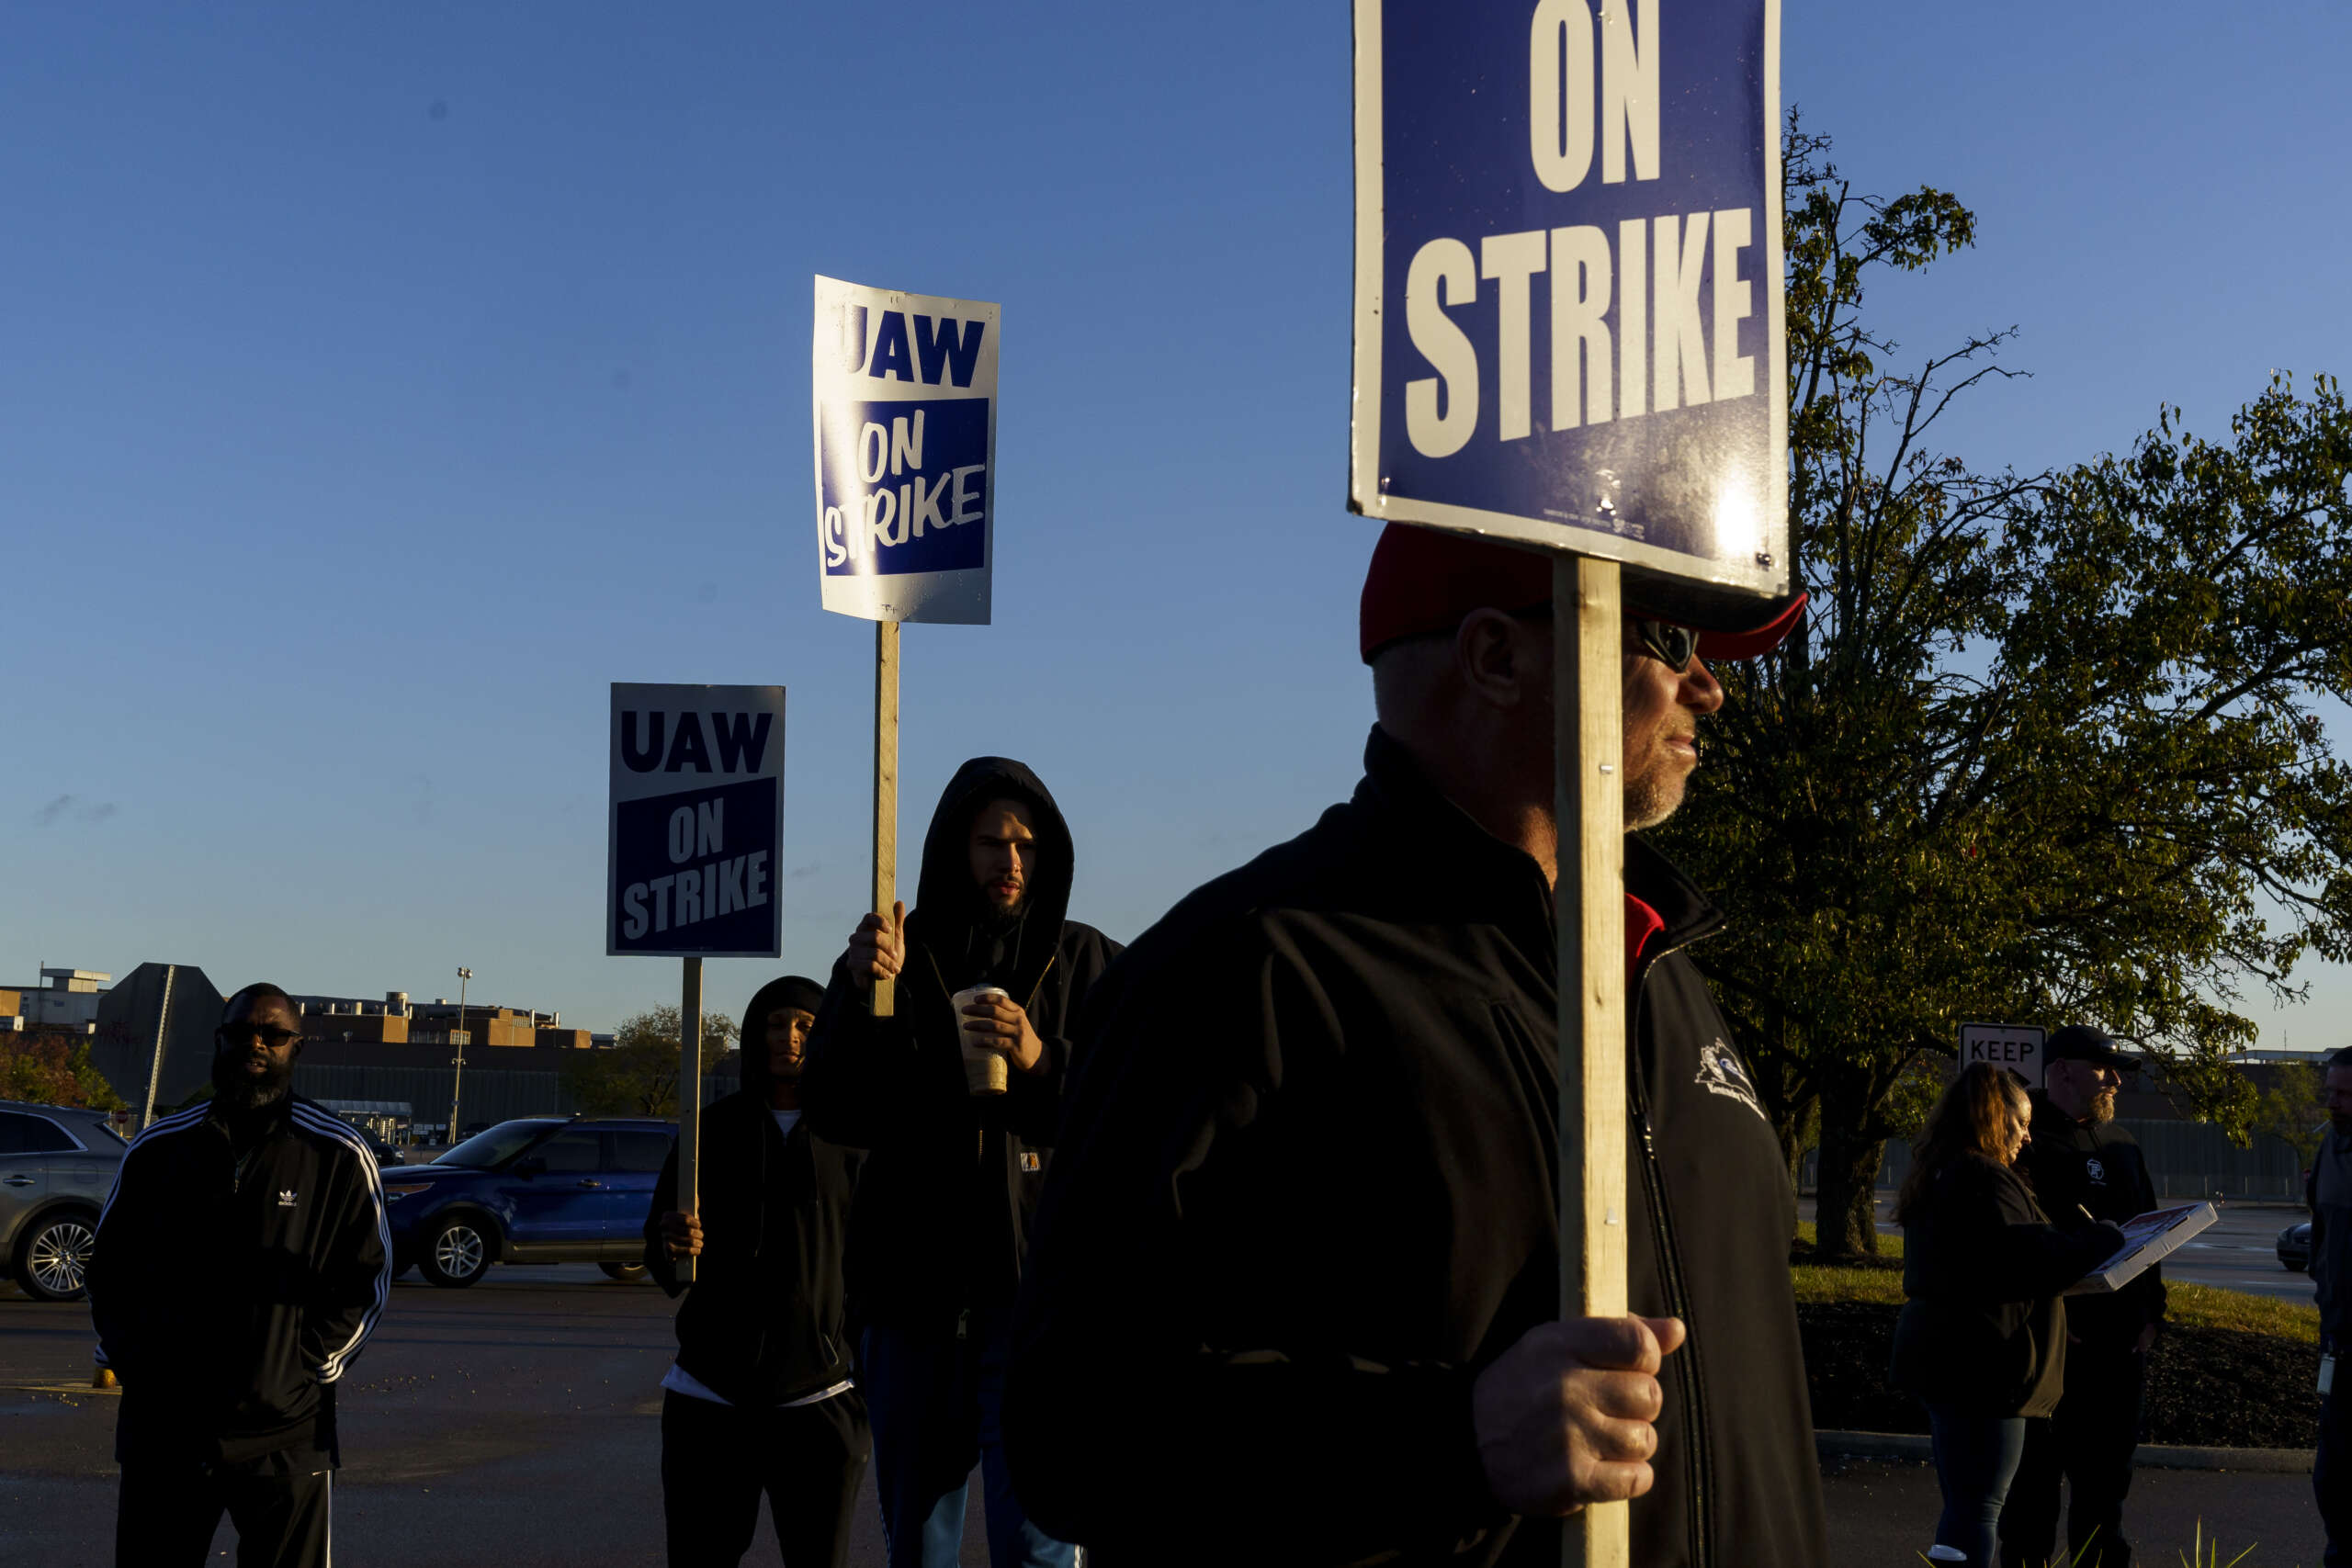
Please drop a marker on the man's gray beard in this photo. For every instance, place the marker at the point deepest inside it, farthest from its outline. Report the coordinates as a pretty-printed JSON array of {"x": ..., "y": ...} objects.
[
  {"x": 2102, "y": 1108},
  {"x": 1649, "y": 802}
]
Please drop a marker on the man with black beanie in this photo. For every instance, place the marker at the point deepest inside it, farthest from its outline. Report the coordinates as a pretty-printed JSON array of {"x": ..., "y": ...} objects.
[
  {"x": 959, "y": 1153},
  {"x": 241, "y": 1263},
  {"x": 760, "y": 1398}
]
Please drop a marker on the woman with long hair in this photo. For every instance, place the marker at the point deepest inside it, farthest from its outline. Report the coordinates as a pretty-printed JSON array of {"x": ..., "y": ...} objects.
[{"x": 1983, "y": 1336}]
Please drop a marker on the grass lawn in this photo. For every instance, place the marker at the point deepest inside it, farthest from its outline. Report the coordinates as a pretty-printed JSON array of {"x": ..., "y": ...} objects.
[
  {"x": 2187, "y": 1306},
  {"x": 2232, "y": 1369}
]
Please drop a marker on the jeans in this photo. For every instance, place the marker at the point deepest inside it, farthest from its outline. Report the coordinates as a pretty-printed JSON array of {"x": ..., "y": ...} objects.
[
  {"x": 2332, "y": 1472},
  {"x": 936, "y": 1402},
  {"x": 2088, "y": 1443},
  {"x": 1975, "y": 1457}
]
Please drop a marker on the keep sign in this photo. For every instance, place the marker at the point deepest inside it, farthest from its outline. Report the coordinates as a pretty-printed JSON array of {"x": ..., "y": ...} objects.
[
  {"x": 1568, "y": 278},
  {"x": 2016, "y": 1046},
  {"x": 697, "y": 822},
  {"x": 904, "y": 403}
]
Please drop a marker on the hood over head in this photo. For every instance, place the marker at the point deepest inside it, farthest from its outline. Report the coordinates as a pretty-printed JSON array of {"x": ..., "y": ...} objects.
[
  {"x": 786, "y": 991},
  {"x": 961, "y": 932}
]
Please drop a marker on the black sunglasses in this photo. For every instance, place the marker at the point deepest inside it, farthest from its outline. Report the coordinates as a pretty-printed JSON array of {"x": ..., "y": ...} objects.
[
  {"x": 1670, "y": 645},
  {"x": 247, "y": 1034}
]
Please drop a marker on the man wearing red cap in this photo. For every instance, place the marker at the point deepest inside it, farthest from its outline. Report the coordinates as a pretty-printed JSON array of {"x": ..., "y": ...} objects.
[{"x": 1293, "y": 1295}]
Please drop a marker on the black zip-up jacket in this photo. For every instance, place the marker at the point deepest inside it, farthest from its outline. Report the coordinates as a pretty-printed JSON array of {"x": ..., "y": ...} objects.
[
  {"x": 762, "y": 1323},
  {"x": 2096, "y": 1166},
  {"x": 1985, "y": 1326},
  {"x": 229, "y": 1296},
  {"x": 943, "y": 1203},
  {"x": 2325, "y": 1192},
  {"x": 1306, "y": 1192}
]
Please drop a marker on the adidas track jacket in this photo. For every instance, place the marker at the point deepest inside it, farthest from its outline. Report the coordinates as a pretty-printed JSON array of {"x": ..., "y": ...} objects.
[{"x": 230, "y": 1295}]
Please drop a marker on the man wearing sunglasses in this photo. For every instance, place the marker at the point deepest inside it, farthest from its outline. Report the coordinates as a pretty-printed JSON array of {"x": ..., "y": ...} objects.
[
  {"x": 241, "y": 1263},
  {"x": 1293, "y": 1295}
]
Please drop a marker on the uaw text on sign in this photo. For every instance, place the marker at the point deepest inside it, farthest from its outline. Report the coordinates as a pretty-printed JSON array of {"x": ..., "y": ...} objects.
[{"x": 697, "y": 822}]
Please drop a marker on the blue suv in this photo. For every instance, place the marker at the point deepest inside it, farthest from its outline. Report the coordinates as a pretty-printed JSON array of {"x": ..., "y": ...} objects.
[{"x": 541, "y": 1190}]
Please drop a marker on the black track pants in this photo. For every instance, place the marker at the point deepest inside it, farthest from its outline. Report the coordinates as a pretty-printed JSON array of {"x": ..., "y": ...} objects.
[
  {"x": 717, "y": 1460},
  {"x": 165, "y": 1514},
  {"x": 2089, "y": 1443}
]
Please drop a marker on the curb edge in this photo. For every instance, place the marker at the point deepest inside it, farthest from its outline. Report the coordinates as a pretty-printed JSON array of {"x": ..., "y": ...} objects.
[{"x": 2150, "y": 1456}]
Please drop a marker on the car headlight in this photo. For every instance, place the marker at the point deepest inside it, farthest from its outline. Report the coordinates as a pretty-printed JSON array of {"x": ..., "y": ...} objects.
[{"x": 394, "y": 1194}]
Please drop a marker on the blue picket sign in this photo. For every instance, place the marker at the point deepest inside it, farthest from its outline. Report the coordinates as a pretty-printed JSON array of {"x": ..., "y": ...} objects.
[{"x": 1568, "y": 270}]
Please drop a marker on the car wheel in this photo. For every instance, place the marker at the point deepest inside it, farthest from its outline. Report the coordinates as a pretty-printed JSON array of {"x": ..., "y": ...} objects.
[
  {"x": 626, "y": 1273},
  {"x": 53, "y": 1261},
  {"x": 458, "y": 1253}
]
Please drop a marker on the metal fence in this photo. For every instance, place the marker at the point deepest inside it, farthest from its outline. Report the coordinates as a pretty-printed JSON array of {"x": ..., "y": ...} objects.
[
  {"x": 491, "y": 1094},
  {"x": 2186, "y": 1159}
]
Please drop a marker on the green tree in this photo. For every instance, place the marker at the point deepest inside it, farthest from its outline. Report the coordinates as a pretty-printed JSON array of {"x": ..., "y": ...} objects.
[
  {"x": 2293, "y": 1110},
  {"x": 53, "y": 1069},
  {"x": 2043, "y": 750},
  {"x": 638, "y": 1076}
]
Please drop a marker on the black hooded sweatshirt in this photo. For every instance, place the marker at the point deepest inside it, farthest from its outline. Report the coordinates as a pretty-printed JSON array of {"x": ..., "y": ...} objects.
[
  {"x": 1294, "y": 1219},
  {"x": 943, "y": 1210},
  {"x": 762, "y": 1324}
]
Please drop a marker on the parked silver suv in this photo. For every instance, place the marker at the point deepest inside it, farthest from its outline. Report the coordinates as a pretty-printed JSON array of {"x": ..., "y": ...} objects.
[{"x": 57, "y": 1165}]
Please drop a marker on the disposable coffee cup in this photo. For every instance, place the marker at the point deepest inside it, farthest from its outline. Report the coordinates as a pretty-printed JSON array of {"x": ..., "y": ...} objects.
[{"x": 987, "y": 1070}]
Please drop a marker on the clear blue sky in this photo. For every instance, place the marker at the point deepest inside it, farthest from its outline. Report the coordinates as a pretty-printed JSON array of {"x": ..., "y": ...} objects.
[{"x": 380, "y": 383}]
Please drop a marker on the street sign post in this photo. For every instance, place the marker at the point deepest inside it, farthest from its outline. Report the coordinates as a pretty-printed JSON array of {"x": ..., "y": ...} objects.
[
  {"x": 903, "y": 407},
  {"x": 696, "y": 829},
  {"x": 2017, "y": 1046},
  {"x": 1568, "y": 335}
]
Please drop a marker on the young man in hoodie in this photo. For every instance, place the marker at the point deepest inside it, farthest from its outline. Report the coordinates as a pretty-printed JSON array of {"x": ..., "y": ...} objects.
[
  {"x": 760, "y": 1398},
  {"x": 241, "y": 1263},
  {"x": 943, "y": 1210},
  {"x": 1294, "y": 1294}
]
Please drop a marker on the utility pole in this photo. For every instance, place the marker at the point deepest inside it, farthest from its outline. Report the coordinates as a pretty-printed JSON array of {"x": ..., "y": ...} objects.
[
  {"x": 163, "y": 1032},
  {"x": 457, "y": 1079}
]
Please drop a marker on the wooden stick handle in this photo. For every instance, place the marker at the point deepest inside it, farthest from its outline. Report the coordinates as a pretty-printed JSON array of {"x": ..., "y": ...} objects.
[
  {"x": 885, "y": 791},
  {"x": 1589, "y": 805},
  {"x": 689, "y": 1199}
]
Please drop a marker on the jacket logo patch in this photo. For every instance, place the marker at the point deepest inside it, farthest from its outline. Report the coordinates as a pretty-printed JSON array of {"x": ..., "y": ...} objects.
[
  {"x": 1031, "y": 1161},
  {"x": 2095, "y": 1170},
  {"x": 1721, "y": 1072},
  {"x": 285, "y": 1197}
]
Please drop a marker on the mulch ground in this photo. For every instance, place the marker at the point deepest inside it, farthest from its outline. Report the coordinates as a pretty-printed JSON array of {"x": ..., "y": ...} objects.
[{"x": 2207, "y": 1388}]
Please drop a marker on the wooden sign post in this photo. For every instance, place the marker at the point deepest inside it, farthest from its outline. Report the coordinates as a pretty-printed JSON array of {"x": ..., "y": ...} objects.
[
  {"x": 1588, "y": 699},
  {"x": 1560, "y": 345},
  {"x": 897, "y": 443},
  {"x": 692, "y": 858},
  {"x": 689, "y": 1198},
  {"x": 886, "y": 793}
]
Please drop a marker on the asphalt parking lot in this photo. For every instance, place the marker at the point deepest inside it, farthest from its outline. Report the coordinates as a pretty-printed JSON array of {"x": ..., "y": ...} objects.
[
  {"x": 516, "y": 1424},
  {"x": 2237, "y": 1252}
]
